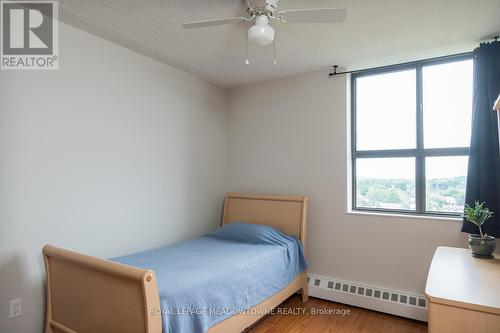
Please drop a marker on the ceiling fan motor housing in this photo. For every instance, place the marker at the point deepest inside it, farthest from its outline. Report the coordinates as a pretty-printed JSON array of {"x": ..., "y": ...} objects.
[
  {"x": 268, "y": 8},
  {"x": 272, "y": 5}
]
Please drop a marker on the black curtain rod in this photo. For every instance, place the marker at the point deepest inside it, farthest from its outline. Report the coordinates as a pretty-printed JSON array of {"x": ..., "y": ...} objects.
[
  {"x": 335, "y": 67},
  {"x": 335, "y": 73}
]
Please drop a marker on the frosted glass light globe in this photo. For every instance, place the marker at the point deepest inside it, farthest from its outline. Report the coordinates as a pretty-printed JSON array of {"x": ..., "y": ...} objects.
[{"x": 261, "y": 33}]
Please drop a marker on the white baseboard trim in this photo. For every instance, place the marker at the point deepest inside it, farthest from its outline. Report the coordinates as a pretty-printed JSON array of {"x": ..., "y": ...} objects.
[{"x": 369, "y": 297}]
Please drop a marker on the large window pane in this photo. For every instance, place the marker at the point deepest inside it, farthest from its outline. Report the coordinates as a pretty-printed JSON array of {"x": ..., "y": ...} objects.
[
  {"x": 447, "y": 104},
  {"x": 385, "y": 183},
  {"x": 445, "y": 183},
  {"x": 385, "y": 111}
]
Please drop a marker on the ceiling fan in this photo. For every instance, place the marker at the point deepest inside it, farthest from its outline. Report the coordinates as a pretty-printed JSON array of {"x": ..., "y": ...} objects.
[{"x": 261, "y": 32}]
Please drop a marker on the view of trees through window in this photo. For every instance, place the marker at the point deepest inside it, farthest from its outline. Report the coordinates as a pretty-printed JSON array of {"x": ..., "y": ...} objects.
[
  {"x": 410, "y": 140},
  {"x": 443, "y": 194}
]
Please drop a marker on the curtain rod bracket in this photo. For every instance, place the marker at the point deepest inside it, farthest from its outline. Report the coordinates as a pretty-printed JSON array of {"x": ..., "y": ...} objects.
[{"x": 335, "y": 67}]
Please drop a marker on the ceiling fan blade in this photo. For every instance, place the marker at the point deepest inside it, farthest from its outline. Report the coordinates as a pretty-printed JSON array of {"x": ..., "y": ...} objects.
[
  {"x": 325, "y": 15},
  {"x": 210, "y": 23}
]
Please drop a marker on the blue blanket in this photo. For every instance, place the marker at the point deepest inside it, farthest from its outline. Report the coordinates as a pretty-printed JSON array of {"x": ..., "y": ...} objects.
[{"x": 206, "y": 280}]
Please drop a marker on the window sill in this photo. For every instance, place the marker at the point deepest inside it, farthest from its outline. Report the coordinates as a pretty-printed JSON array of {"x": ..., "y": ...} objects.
[{"x": 407, "y": 216}]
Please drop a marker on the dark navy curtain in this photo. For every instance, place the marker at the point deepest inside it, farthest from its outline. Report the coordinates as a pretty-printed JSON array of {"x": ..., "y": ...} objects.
[{"x": 483, "y": 178}]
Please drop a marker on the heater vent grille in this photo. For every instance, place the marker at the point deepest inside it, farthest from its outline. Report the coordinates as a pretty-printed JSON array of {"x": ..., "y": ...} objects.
[{"x": 367, "y": 291}]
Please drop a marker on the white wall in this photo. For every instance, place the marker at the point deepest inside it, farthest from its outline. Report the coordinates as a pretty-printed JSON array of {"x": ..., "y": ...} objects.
[
  {"x": 290, "y": 136},
  {"x": 111, "y": 154}
]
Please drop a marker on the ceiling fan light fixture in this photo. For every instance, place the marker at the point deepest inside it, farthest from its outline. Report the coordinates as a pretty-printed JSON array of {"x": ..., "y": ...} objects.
[{"x": 261, "y": 33}]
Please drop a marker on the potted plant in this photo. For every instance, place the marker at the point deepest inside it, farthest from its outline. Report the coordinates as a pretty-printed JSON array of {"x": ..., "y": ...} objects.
[{"x": 481, "y": 246}]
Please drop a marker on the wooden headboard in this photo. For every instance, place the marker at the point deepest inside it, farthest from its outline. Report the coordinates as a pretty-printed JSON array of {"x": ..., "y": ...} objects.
[{"x": 286, "y": 213}]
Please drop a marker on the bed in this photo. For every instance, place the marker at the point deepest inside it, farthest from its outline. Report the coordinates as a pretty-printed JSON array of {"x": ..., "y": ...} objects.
[{"x": 87, "y": 294}]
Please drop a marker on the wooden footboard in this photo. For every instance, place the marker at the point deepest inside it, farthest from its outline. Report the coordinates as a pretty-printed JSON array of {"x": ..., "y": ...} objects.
[{"x": 89, "y": 295}]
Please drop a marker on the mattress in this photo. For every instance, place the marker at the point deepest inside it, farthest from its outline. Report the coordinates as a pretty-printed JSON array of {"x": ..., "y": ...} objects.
[{"x": 208, "y": 279}]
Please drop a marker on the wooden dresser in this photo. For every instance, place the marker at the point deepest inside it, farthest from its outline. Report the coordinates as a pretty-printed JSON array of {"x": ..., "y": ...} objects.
[{"x": 463, "y": 293}]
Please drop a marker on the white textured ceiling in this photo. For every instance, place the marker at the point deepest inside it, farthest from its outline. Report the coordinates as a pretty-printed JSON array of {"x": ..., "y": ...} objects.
[{"x": 373, "y": 29}]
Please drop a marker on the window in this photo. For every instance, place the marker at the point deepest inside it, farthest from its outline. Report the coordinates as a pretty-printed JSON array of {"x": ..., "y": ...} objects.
[{"x": 411, "y": 127}]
